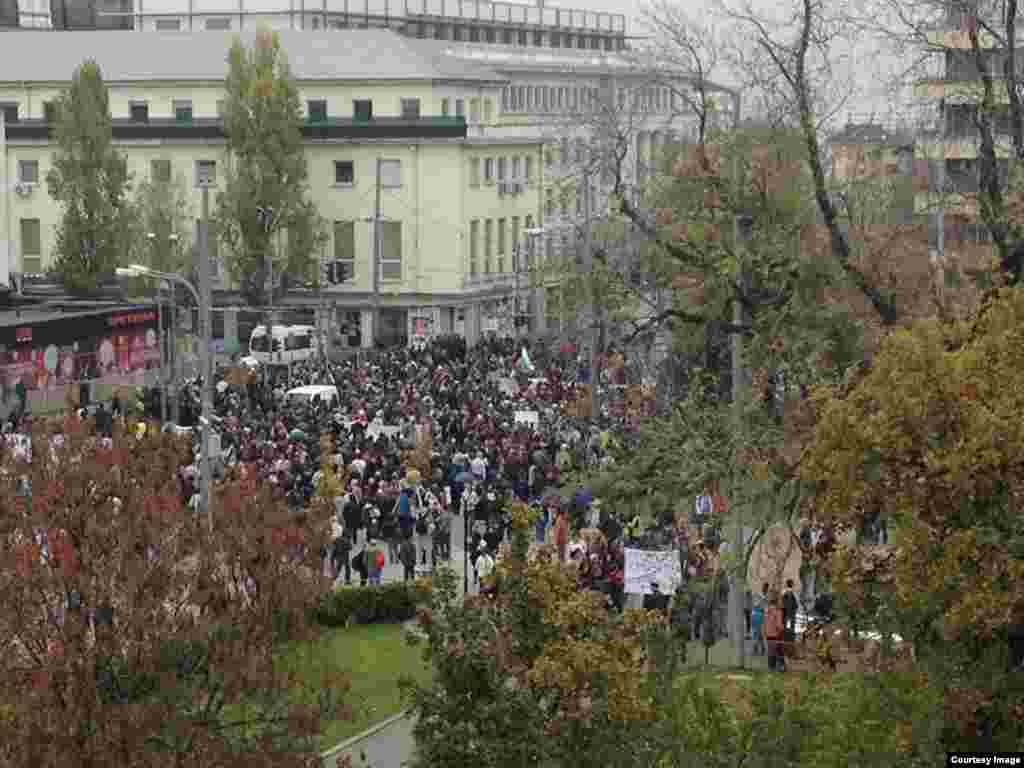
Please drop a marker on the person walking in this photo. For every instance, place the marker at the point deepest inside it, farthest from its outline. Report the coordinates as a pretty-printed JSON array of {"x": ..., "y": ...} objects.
[
  {"x": 790, "y": 606},
  {"x": 407, "y": 555},
  {"x": 774, "y": 633}
]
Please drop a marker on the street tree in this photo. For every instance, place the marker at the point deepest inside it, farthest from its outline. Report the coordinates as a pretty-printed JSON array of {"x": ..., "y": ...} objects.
[
  {"x": 928, "y": 441},
  {"x": 160, "y": 226},
  {"x": 133, "y": 635},
  {"x": 265, "y": 217},
  {"x": 540, "y": 673},
  {"x": 90, "y": 180}
]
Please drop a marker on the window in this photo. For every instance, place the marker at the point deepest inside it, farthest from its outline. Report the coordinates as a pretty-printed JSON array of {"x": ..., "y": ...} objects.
[
  {"x": 183, "y": 110},
  {"x": 160, "y": 171},
  {"x": 440, "y": 31},
  {"x": 549, "y": 157},
  {"x": 410, "y": 109},
  {"x": 138, "y": 111},
  {"x": 474, "y": 110},
  {"x": 580, "y": 151},
  {"x": 460, "y": 107},
  {"x": 391, "y": 250},
  {"x": 506, "y": 36},
  {"x": 488, "y": 111},
  {"x": 362, "y": 109},
  {"x": 50, "y": 111},
  {"x": 579, "y": 201},
  {"x": 538, "y": 39},
  {"x": 474, "y": 247},
  {"x": 218, "y": 25},
  {"x": 206, "y": 172},
  {"x": 529, "y": 168},
  {"x": 391, "y": 174},
  {"x": 10, "y": 110},
  {"x": 515, "y": 242},
  {"x": 474, "y": 34},
  {"x": 344, "y": 251},
  {"x": 502, "y": 168},
  {"x": 445, "y": 107},
  {"x": 168, "y": 25},
  {"x": 474, "y": 172},
  {"x": 31, "y": 247},
  {"x": 565, "y": 202},
  {"x": 489, "y": 33},
  {"x": 316, "y": 109},
  {"x": 501, "y": 244},
  {"x": 28, "y": 171},
  {"x": 522, "y": 37},
  {"x": 516, "y": 168},
  {"x": 554, "y": 39},
  {"x": 344, "y": 173},
  {"x": 489, "y": 170},
  {"x": 221, "y": 108},
  {"x": 563, "y": 152},
  {"x": 488, "y": 239}
]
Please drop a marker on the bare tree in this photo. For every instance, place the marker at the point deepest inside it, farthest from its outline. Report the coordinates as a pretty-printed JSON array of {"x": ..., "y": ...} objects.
[{"x": 791, "y": 61}]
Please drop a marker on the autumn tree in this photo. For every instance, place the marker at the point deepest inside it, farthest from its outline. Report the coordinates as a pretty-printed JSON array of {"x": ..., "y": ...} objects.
[
  {"x": 90, "y": 181},
  {"x": 132, "y": 636},
  {"x": 266, "y": 169},
  {"x": 929, "y": 439},
  {"x": 540, "y": 673}
]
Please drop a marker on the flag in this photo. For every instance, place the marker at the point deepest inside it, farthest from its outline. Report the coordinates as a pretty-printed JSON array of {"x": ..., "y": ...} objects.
[{"x": 524, "y": 361}]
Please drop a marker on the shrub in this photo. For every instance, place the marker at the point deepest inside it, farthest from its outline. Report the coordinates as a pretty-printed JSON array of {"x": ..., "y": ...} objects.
[{"x": 382, "y": 603}]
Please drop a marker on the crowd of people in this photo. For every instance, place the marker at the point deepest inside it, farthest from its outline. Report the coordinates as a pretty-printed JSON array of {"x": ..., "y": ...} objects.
[{"x": 490, "y": 425}]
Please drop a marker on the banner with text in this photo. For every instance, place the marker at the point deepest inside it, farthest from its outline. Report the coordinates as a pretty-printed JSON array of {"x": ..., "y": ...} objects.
[{"x": 646, "y": 565}]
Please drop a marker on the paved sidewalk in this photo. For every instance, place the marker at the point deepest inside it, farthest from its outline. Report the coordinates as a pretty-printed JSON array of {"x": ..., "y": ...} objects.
[{"x": 389, "y": 744}]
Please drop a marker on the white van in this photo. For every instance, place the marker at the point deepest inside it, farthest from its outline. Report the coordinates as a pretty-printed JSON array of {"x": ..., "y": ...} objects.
[
  {"x": 325, "y": 393},
  {"x": 284, "y": 344}
]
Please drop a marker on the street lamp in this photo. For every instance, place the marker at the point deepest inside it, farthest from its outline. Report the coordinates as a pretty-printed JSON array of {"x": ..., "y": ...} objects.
[
  {"x": 173, "y": 240},
  {"x": 138, "y": 270}
]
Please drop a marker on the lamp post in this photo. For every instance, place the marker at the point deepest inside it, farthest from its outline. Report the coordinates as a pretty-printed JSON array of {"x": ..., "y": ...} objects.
[
  {"x": 138, "y": 270},
  {"x": 532, "y": 233},
  {"x": 173, "y": 240}
]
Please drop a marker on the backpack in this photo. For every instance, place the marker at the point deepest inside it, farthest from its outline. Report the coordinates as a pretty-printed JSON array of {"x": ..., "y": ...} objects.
[{"x": 773, "y": 622}]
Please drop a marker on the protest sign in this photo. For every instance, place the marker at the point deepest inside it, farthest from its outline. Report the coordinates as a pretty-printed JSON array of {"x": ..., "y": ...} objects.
[
  {"x": 529, "y": 418},
  {"x": 646, "y": 565}
]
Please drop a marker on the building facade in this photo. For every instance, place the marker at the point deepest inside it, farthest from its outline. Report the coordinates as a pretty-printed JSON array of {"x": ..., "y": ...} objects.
[
  {"x": 482, "y": 109},
  {"x": 946, "y": 151}
]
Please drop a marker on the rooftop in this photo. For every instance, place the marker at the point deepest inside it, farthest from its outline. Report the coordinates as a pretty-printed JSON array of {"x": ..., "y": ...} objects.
[{"x": 345, "y": 54}]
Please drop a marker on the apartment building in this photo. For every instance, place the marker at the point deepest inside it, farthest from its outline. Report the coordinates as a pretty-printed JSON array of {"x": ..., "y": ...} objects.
[{"x": 946, "y": 150}]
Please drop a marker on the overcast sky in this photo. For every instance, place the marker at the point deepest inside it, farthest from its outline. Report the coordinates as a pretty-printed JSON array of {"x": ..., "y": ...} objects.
[{"x": 872, "y": 72}]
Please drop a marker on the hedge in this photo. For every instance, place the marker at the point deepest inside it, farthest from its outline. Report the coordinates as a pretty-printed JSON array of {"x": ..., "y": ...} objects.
[{"x": 392, "y": 602}]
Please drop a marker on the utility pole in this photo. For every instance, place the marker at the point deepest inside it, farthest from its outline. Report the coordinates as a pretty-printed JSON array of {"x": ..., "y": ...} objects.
[
  {"x": 207, "y": 369},
  {"x": 378, "y": 235},
  {"x": 742, "y": 224},
  {"x": 594, "y": 309}
]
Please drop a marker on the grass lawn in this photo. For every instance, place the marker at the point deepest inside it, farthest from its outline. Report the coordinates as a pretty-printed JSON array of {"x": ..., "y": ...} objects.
[{"x": 374, "y": 656}]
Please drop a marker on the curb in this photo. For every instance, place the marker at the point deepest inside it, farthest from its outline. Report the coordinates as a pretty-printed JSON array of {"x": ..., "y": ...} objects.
[{"x": 371, "y": 731}]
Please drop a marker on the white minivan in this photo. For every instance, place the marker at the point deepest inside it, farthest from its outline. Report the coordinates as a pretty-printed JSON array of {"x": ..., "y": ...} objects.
[
  {"x": 284, "y": 344},
  {"x": 323, "y": 393}
]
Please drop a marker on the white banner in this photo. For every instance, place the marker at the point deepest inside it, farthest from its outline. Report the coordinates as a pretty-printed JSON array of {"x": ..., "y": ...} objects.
[
  {"x": 530, "y": 418},
  {"x": 644, "y": 566}
]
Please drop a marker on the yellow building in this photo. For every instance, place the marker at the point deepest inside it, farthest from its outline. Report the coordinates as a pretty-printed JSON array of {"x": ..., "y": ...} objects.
[{"x": 456, "y": 197}]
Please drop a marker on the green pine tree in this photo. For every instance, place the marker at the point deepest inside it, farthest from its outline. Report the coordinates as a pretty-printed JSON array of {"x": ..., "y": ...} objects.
[
  {"x": 266, "y": 169},
  {"x": 90, "y": 180}
]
